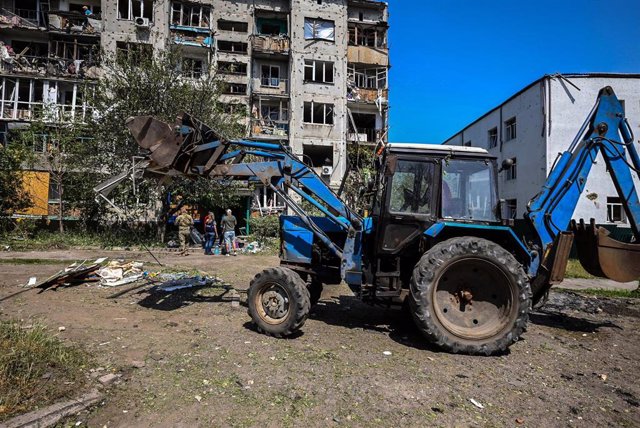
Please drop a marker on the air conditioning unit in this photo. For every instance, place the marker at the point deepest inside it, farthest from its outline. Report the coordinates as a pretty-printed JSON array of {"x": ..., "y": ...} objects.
[
  {"x": 327, "y": 171},
  {"x": 141, "y": 22}
]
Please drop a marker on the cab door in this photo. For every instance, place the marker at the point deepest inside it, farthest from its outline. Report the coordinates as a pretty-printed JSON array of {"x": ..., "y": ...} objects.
[{"x": 409, "y": 201}]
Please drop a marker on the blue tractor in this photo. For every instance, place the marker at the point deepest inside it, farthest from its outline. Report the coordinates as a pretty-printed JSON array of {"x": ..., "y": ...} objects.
[{"x": 433, "y": 236}]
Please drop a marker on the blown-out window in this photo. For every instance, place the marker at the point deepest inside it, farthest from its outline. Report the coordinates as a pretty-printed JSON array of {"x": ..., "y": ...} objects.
[
  {"x": 318, "y": 113},
  {"x": 319, "y": 29}
]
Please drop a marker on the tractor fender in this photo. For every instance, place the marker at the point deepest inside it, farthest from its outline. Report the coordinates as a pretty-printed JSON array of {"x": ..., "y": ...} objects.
[{"x": 501, "y": 235}]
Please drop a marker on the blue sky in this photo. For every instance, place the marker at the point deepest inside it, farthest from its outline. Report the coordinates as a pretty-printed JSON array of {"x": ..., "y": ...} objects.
[{"x": 454, "y": 60}]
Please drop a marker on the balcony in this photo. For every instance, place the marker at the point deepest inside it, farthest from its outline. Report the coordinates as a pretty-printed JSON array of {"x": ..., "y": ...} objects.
[
  {"x": 49, "y": 66},
  {"x": 271, "y": 45},
  {"x": 191, "y": 36},
  {"x": 368, "y": 95},
  {"x": 368, "y": 55},
  {"x": 19, "y": 18},
  {"x": 74, "y": 23},
  {"x": 270, "y": 86},
  {"x": 22, "y": 110},
  {"x": 365, "y": 135},
  {"x": 268, "y": 128}
]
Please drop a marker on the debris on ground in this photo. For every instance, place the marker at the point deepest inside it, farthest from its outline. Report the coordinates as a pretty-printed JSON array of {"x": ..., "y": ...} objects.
[
  {"x": 108, "y": 379},
  {"x": 73, "y": 274},
  {"x": 476, "y": 403},
  {"x": 118, "y": 272},
  {"x": 178, "y": 283},
  {"x": 252, "y": 247}
]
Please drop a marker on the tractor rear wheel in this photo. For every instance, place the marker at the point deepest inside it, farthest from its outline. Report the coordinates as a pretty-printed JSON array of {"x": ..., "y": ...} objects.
[
  {"x": 469, "y": 295},
  {"x": 278, "y": 301}
]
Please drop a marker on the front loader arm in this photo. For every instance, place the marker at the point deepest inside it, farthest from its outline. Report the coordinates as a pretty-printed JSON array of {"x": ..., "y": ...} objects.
[
  {"x": 190, "y": 148},
  {"x": 550, "y": 211}
]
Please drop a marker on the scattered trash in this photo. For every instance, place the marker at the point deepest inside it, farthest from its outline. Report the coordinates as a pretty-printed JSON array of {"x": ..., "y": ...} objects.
[
  {"x": 182, "y": 283},
  {"x": 62, "y": 328},
  {"x": 476, "y": 403},
  {"x": 387, "y": 353},
  {"x": 32, "y": 281},
  {"x": 519, "y": 421},
  {"x": 118, "y": 273},
  {"x": 74, "y": 274},
  {"x": 252, "y": 248},
  {"x": 198, "y": 398},
  {"x": 604, "y": 377}
]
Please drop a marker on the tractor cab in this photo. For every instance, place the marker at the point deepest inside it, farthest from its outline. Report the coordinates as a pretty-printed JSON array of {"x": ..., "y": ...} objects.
[{"x": 419, "y": 185}]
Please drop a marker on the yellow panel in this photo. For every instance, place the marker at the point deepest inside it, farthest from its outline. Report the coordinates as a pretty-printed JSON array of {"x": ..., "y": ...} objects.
[{"x": 36, "y": 183}]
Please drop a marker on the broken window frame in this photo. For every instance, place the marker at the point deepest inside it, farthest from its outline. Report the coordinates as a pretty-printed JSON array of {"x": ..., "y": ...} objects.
[
  {"x": 492, "y": 137},
  {"x": 226, "y": 67},
  {"x": 512, "y": 171},
  {"x": 229, "y": 88},
  {"x": 193, "y": 68},
  {"x": 130, "y": 9},
  {"x": 184, "y": 14},
  {"x": 318, "y": 113},
  {"x": 510, "y": 129},
  {"x": 361, "y": 35},
  {"x": 319, "y": 29},
  {"x": 368, "y": 78},
  {"x": 268, "y": 79},
  {"x": 137, "y": 53},
  {"x": 615, "y": 210},
  {"x": 242, "y": 47},
  {"x": 319, "y": 71},
  {"x": 243, "y": 27}
]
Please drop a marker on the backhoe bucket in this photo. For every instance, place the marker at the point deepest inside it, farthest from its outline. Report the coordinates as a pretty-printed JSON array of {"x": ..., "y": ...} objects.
[{"x": 603, "y": 256}]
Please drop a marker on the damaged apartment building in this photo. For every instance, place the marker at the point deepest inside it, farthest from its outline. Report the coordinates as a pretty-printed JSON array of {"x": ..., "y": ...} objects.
[{"x": 312, "y": 74}]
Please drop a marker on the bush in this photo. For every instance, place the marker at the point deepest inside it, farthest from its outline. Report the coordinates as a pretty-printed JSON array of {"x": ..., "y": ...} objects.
[{"x": 265, "y": 227}]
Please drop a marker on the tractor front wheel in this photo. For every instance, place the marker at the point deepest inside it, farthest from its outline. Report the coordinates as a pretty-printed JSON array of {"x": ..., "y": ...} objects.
[
  {"x": 278, "y": 301},
  {"x": 470, "y": 295}
]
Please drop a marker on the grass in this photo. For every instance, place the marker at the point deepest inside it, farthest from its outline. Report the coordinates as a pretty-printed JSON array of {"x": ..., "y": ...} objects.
[
  {"x": 36, "y": 368},
  {"x": 45, "y": 240},
  {"x": 14, "y": 261},
  {"x": 600, "y": 292},
  {"x": 575, "y": 270}
]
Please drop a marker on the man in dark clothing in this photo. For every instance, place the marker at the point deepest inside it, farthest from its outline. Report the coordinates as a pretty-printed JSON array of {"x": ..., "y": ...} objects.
[{"x": 228, "y": 225}]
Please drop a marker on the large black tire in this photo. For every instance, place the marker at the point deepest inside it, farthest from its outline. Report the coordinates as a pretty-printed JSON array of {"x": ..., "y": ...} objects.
[
  {"x": 278, "y": 301},
  {"x": 469, "y": 295},
  {"x": 315, "y": 290}
]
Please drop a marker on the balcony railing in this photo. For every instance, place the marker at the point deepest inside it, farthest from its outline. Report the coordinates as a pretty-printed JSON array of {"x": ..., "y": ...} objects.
[
  {"x": 365, "y": 135},
  {"x": 270, "y": 44},
  {"x": 16, "y": 17},
  {"x": 48, "y": 111},
  {"x": 191, "y": 36},
  {"x": 49, "y": 66},
  {"x": 74, "y": 22},
  {"x": 271, "y": 85},
  {"x": 268, "y": 127},
  {"x": 367, "y": 94}
]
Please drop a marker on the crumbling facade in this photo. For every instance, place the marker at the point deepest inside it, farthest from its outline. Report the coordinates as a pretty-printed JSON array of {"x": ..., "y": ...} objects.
[{"x": 312, "y": 74}]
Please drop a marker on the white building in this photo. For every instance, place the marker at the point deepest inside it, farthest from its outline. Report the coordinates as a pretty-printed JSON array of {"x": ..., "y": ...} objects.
[{"x": 540, "y": 121}]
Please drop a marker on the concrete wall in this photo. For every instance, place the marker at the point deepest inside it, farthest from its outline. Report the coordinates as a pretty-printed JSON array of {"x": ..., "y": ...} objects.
[
  {"x": 304, "y": 134},
  {"x": 528, "y": 147},
  {"x": 569, "y": 108}
]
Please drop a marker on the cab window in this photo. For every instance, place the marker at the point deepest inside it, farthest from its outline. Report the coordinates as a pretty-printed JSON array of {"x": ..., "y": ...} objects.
[{"x": 412, "y": 187}]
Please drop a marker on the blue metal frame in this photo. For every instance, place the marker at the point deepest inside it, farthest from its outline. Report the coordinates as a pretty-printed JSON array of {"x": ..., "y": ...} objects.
[{"x": 550, "y": 211}]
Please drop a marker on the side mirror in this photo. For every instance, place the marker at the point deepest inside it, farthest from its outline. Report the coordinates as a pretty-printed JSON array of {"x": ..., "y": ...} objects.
[{"x": 506, "y": 164}]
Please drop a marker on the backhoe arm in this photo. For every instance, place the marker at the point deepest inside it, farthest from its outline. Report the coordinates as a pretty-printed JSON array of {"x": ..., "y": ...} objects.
[{"x": 550, "y": 211}]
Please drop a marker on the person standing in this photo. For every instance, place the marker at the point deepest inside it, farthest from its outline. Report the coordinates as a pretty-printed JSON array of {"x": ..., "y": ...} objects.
[
  {"x": 228, "y": 224},
  {"x": 184, "y": 222},
  {"x": 210, "y": 233}
]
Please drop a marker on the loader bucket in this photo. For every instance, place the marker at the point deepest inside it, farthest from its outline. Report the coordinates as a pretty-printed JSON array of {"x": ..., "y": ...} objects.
[
  {"x": 603, "y": 256},
  {"x": 157, "y": 137}
]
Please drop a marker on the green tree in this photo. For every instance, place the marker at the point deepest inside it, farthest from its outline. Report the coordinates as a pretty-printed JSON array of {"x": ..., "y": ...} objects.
[
  {"x": 60, "y": 143},
  {"x": 13, "y": 195},
  {"x": 137, "y": 82}
]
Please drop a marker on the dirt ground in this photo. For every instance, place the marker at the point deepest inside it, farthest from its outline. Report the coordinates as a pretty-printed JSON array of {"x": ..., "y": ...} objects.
[{"x": 576, "y": 364}]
